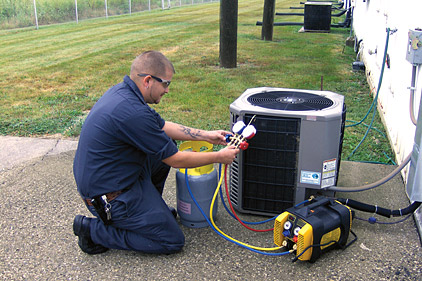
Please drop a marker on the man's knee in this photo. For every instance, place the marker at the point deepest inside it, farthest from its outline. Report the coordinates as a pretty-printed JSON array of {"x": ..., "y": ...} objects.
[
  {"x": 173, "y": 248},
  {"x": 175, "y": 244}
]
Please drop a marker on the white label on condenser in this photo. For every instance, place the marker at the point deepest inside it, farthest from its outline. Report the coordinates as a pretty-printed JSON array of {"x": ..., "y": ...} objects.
[
  {"x": 327, "y": 182},
  {"x": 328, "y": 173},
  {"x": 329, "y": 168},
  {"x": 310, "y": 177}
]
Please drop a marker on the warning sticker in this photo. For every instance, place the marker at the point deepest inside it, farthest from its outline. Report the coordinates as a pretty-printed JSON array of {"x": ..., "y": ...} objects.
[
  {"x": 329, "y": 165},
  {"x": 328, "y": 172},
  {"x": 310, "y": 177}
]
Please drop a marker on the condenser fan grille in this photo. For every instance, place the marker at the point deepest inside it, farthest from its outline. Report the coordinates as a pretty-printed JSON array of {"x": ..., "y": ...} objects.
[{"x": 290, "y": 100}]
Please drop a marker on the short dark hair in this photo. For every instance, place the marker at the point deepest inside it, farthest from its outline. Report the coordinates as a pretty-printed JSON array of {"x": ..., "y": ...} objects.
[{"x": 151, "y": 62}]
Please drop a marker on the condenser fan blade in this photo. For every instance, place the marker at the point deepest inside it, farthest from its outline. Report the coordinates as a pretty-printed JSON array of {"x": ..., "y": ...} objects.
[{"x": 290, "y": 101}]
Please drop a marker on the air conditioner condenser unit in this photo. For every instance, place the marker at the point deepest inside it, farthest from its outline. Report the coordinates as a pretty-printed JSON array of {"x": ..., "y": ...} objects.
[{"x": 295, "y": 152}]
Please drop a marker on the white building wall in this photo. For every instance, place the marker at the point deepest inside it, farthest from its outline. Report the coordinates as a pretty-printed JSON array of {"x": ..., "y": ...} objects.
[{"x": 371, "y": 18}]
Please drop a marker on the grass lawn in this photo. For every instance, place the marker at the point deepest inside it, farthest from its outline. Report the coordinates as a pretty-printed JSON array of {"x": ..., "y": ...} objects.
[{"x": 51, "y": 77}]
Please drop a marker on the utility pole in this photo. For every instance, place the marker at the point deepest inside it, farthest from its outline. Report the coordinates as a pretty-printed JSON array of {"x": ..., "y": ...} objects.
[
  {"x": 268, "y": 20},
  {"x": 228, "y": 33}
]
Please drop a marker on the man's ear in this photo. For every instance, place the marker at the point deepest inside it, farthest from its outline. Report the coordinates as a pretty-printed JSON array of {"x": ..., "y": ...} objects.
[{"x": 145, "y": 81}]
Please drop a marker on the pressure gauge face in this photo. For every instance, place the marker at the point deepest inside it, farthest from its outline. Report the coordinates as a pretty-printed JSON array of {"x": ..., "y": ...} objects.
[
  {"x": 249, "y": 132},
  {"x": 238, "y": 127}
]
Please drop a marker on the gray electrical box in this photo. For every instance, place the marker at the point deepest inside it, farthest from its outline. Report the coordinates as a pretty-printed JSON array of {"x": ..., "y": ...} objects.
[{"x": 414, "y": 47}]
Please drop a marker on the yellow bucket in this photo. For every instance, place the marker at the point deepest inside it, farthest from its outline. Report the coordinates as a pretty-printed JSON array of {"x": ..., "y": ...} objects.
[{"x": 197, "y": 146}]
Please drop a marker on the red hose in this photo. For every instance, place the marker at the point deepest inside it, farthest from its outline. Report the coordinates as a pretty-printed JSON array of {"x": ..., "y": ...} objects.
[{"x": 234, "y": 213}]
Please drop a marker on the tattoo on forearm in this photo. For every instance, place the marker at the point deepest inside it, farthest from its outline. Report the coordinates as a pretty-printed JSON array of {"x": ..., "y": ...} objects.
[{"x": 194, "y": 133}]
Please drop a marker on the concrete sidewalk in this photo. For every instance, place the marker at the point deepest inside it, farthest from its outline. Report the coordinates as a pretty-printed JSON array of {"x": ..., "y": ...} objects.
[
  {"x": 15, "y": 150},
  {"x": 40, "y": 201}
]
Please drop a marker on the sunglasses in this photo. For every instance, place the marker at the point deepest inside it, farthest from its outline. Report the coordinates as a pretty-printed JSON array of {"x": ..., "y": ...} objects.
[{"x": 165, "y": 83}]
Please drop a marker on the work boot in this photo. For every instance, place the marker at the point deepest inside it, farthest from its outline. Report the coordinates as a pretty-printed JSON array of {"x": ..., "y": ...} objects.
[{"x": 82, "y": 230}]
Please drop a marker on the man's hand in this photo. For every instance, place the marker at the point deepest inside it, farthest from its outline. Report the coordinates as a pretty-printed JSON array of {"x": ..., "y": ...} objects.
[
  {"x": 228, "y": 154},
  {"x": 217, "y": 137}
]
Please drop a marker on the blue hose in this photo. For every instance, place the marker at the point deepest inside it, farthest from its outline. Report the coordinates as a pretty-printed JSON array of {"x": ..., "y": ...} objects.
[
  {"x": 231, "y": 214},
  {"x": 245, "y": 222},
  {"x": 210, "y": 224}
]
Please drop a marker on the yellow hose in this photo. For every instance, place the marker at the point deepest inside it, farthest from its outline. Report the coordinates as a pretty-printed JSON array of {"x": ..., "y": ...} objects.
[{"x": 212, "y": 220}]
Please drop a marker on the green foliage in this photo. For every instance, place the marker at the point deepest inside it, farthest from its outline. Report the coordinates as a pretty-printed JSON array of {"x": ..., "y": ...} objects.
[
  {"x": 51, "y": 77},
  {"x": 16, "y": 13},
  {"x": 20, "y": 13}
]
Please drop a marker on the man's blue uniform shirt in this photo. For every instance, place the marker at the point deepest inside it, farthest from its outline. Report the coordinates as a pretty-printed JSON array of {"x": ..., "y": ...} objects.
[{"x": 119, "y": 133}]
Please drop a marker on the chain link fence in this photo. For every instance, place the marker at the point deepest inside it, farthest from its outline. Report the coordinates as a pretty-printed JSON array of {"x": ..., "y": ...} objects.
[{"x": 25, "y": 13}]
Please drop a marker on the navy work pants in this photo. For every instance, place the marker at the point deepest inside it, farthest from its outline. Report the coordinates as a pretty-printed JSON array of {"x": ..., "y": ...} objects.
[{"x": 141, "y": 219}]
